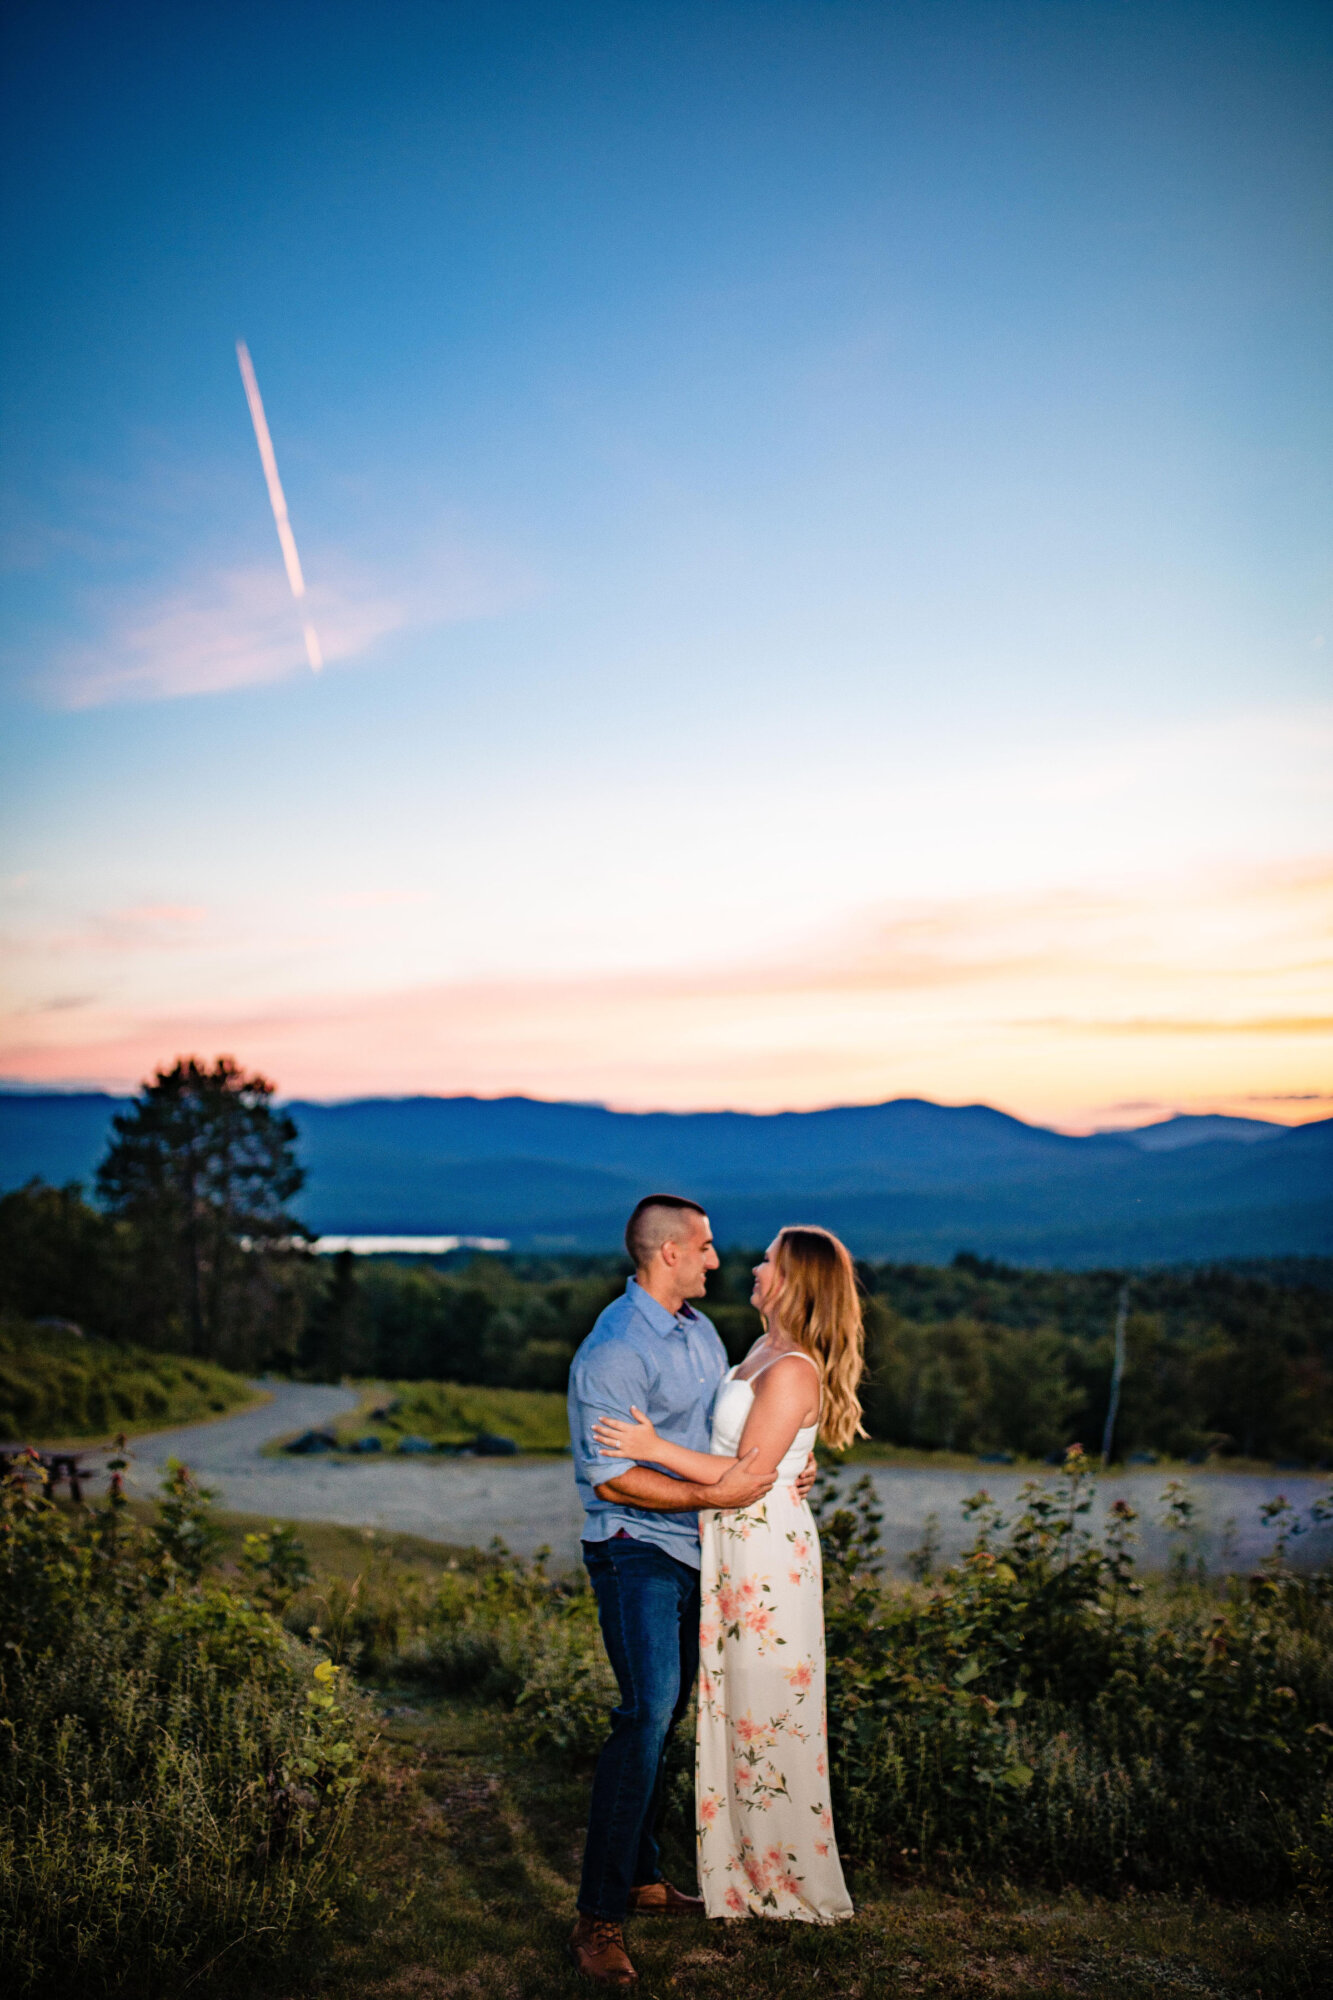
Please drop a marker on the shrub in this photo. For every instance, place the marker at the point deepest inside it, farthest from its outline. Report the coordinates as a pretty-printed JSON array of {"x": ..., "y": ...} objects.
[
  {"x": 569, "y": 1690},
  {"x": 176, "y": 1772},
  {"x": 275, "y": 1566},
  {"x": 1033, "y": 1714}
]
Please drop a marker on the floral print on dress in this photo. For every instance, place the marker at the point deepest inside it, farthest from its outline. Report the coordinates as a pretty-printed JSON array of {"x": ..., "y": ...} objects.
[
  {"x": 736, "y": 1604},
  {"x": 765, "y": 1823}
]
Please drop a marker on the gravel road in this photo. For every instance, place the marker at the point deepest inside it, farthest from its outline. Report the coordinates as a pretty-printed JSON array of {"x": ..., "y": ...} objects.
[{"x": 532, "y": 1501}]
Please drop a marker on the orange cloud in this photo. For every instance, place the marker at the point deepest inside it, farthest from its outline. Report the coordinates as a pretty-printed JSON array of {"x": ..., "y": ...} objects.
[
  {"x": 1058, "y": 1006},
  {"x": 1283, "y": 1024}
]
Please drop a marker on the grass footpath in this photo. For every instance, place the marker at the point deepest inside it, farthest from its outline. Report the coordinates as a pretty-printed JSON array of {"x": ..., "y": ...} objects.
[{"x": 468, "y": 1857}]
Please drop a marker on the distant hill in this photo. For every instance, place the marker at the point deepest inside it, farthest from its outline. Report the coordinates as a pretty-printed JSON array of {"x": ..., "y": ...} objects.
[
  {"x": 908, "y": 1179},
  {"x": 1171, "y": 1133}
]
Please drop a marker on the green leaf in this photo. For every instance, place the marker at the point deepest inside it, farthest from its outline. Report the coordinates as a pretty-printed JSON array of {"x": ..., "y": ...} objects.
[{"x": 969, "y": 1671}]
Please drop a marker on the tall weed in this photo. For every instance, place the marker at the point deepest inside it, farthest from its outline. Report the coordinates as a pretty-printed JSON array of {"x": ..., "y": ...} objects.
[
  {"x": 176, "y": 1772},
  {"x": 1035, "y": 1713}
]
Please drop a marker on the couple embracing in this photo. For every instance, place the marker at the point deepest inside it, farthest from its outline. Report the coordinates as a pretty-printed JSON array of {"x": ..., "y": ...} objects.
[{"x": 704, "y": 1558}]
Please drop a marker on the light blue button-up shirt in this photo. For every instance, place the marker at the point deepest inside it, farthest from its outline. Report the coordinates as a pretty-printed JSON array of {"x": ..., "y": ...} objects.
[{"x": 669, "y": 1365}]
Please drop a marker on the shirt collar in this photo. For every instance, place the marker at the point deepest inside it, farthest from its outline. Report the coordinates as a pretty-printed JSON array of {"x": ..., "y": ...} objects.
[{"x": 657, "y": 1316}]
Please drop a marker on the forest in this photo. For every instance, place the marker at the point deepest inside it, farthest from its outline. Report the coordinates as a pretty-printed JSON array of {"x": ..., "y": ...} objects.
[
  {"x": 966, "y": 1357},
  {"x": 188, "y": 1247}
]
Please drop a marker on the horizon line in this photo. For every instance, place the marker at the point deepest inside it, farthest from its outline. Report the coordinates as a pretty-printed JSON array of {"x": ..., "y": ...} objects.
[{"x": 21, "y": 1087}]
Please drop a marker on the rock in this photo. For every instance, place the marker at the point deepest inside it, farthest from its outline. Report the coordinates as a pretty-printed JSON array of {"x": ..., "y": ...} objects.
[
  {"x": 487, "y": 1445},
  {"x": 312, "y": 1441}
]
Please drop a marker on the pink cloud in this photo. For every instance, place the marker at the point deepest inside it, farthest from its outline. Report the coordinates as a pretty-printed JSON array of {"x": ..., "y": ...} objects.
[
  {"x": 232, "y": 628},
  {"x": 376, "y": 899},
  {"x": 1052, "y": 1006},
  {"x": 152, "y": 914}
]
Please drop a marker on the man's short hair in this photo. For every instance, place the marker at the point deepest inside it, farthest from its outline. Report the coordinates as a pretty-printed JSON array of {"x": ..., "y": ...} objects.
[{"x": 655, "y": 1221}]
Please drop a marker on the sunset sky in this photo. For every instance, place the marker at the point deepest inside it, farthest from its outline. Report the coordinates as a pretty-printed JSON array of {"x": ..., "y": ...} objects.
[{"x": 817, "y": 517}]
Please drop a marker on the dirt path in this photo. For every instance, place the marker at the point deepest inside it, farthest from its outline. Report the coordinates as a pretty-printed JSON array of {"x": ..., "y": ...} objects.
[
  {"x": 460, "y": 1500},
  {"x": 529, "y": 1502}
]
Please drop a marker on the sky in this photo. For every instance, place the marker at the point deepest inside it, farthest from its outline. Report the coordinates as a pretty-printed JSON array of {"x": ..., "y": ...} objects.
[{"x": 817, "y": 519}]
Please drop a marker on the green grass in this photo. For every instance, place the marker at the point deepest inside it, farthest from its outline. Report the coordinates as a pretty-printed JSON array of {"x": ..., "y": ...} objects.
[
  {"x": 469, "y": 1835},
  {"x": 57, "y": 1386},
  {"x": 469, "y": 1852},
  {"x": 466, "y": 1835},
  {"x": 451, "y": 1413}
]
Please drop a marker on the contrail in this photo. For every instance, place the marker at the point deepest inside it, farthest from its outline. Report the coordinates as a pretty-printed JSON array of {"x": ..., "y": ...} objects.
[{"x": 279, "y": 504}]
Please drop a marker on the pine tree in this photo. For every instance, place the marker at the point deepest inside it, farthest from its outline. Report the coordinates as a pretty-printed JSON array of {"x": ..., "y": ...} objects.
[{"x": 202, "y": 1166}]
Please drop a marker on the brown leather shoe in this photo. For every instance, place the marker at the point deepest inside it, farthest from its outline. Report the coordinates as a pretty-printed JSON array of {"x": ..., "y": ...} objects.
[
  {"x": 659, "y": 1899},
  {"x": 597, "y": 1948}
]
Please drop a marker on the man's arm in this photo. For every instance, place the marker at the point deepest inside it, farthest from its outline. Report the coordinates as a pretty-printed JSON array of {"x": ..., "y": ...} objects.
[{"x": 659, "y": 1493}]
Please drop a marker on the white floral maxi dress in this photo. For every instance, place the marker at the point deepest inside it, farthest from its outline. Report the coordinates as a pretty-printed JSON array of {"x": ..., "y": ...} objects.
[{"x": 765, "y": 1827}]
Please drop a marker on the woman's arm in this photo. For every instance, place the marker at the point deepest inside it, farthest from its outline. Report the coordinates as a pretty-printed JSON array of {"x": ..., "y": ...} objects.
[
  {"x": 786, "y": 1398},
  {"x": 640, "y": 1441}
]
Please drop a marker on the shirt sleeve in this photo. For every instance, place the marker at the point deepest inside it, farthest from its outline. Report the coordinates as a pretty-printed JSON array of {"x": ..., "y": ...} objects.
[{"x": 608, "y": 1380}]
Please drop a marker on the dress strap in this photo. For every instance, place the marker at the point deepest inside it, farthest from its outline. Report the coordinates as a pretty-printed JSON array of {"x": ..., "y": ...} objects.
[{"x": 799, "y": 1351}]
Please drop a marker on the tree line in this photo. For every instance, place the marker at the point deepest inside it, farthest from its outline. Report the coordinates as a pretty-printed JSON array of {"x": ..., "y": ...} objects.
[{"x": 190, "y": 1246}]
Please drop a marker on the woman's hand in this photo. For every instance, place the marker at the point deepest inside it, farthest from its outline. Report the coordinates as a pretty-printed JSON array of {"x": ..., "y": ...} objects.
[{"x": 621, "y": 1440}]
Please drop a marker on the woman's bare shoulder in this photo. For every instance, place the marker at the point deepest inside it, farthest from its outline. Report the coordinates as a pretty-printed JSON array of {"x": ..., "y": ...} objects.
[
  {"x": 797, "y": 1354},
  {"x": 789, "y": 1379}
]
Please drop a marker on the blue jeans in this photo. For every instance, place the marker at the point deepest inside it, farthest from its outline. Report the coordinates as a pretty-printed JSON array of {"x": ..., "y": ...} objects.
[{"x": 648, "y": 1604}]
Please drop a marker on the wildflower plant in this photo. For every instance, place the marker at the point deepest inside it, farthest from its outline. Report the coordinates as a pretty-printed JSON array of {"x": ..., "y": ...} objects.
[
  {"x": 1034, "y": 1710},
  {"x": 177, "y": 1772}
]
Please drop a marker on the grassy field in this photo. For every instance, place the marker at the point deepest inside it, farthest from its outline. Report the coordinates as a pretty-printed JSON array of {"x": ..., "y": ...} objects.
[
  {"x": 468, "y": 1845},
  {"x": 468, "y": 1855},
  {"x": 462, "y": 1700},
  {"x": 56, "y": 1387},
  {"x": 450, "y": 1414}
]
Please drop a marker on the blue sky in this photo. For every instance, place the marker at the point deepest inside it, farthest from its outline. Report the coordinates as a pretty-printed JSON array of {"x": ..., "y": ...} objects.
[{"x": 775, "y": 484}]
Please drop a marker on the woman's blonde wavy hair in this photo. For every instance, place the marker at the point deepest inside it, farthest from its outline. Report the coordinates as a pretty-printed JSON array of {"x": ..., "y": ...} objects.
[{"x": 818, "y": 1307}]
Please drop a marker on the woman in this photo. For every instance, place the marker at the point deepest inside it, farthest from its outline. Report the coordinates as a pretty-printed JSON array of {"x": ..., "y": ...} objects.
[{"x": 765, "y": 1829}]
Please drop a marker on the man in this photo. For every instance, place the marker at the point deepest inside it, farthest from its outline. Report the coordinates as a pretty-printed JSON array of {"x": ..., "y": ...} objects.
[{"x": 641, "y": 1548}]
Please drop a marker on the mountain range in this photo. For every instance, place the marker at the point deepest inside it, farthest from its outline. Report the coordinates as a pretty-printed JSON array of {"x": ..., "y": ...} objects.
[{"x": 907, "y": 1179}]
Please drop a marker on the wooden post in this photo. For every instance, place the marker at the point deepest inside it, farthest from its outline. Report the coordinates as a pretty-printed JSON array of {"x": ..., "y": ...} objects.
[{"x": 1117, "y": 1373}]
